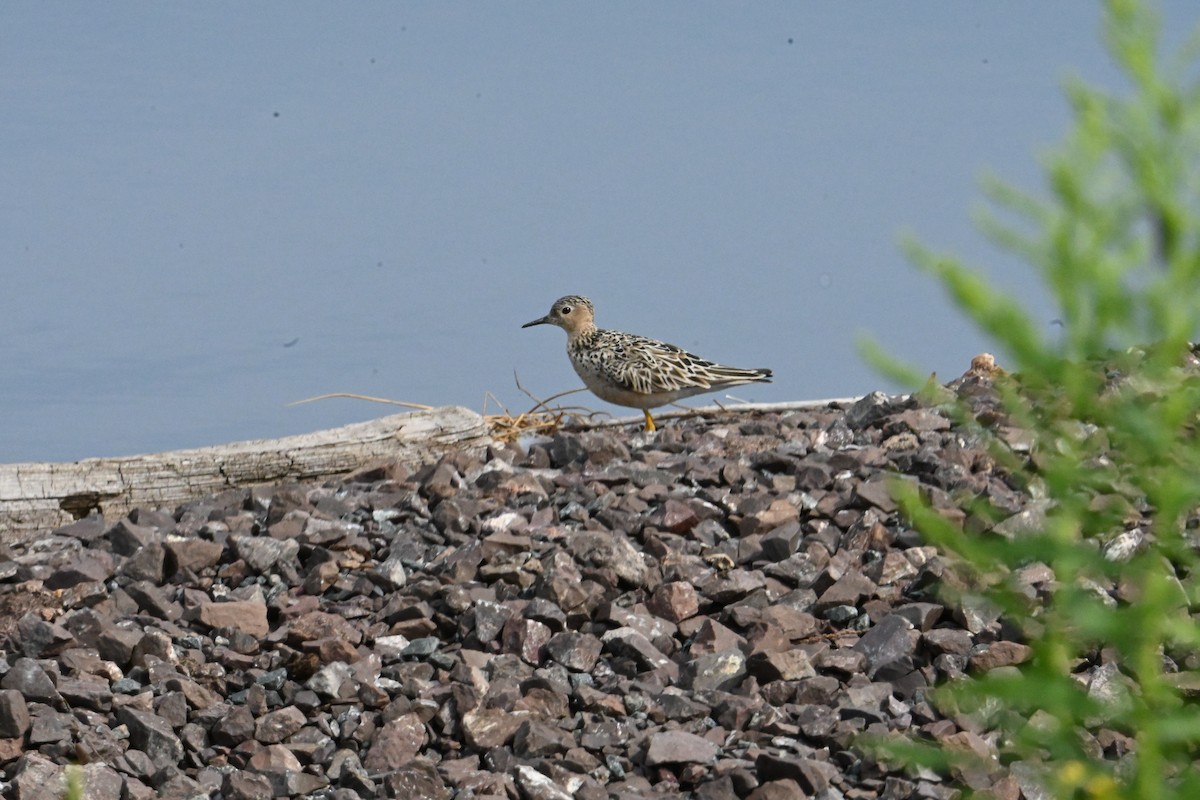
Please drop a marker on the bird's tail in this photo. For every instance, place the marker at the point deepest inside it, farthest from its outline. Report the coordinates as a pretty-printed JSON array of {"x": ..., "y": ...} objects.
[{"x": 731, "y": 375}]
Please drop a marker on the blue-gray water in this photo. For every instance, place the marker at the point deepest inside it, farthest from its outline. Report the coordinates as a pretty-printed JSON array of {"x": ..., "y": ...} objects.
[{"x": 211, "y": 210}]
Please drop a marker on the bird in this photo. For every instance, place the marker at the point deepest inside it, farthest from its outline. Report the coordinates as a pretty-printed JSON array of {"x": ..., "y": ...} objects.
[{"x": 636, "y": 371}]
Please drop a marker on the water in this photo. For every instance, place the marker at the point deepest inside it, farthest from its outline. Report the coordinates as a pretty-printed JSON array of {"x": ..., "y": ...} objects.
[{"x": 213, "y": 210}]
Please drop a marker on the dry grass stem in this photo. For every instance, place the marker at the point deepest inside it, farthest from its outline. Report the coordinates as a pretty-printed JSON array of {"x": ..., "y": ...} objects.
[{"x": 352, "y": 396}]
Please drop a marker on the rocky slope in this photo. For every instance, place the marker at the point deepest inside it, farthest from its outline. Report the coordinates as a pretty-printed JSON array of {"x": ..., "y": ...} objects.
[{"x": 714, "y": 611}]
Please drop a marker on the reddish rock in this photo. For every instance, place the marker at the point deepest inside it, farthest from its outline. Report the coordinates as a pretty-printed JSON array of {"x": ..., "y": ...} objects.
[
  {"x": 274, "y": 758},
  {"x": 677, "y": 517},
  {"x": 785, "y": 665},
  {"x": 786, "y": 789},
  {"x": 675, "y": 601},
  {"x": 1000, "y": 654},
  {"x": 779, "y": 512},
  {"x": 276, "y": 726},
  {"x": 396, "y": 742},
  {"x": 317, "y": 625},
  {"x": 248, "y": 616},
  {"x": 526, "y": 638},
  {"x": 194, "y": 555}
]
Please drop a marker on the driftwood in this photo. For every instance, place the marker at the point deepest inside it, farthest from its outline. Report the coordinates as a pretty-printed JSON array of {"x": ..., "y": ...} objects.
[{"x": 43, "y": 496}]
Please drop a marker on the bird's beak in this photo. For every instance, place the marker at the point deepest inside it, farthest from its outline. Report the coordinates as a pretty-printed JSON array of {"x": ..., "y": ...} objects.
[{"x": 542, "y": 321}]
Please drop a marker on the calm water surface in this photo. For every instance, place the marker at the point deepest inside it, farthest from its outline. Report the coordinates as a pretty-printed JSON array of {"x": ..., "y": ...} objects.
[{"x": 213, "y": 210}]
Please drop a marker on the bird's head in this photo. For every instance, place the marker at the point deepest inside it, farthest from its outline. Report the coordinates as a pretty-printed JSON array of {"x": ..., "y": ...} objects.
[{"x": 573, "y": 313}]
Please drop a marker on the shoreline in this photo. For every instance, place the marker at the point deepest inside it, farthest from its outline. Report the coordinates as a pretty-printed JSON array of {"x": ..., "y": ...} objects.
[{"x": 715, "y": 611}]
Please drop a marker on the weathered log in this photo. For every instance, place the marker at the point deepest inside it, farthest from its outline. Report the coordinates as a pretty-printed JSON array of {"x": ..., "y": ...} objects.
[{"x": 43, "y": 496}]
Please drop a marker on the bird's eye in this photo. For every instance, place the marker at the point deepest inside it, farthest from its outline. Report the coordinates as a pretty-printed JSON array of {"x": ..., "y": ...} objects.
[{"x": 566, "y": 310}]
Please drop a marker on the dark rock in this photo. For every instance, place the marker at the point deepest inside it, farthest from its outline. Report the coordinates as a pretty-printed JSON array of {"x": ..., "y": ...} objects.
[
  {"x": 116, "y": 644},
  {"x": 632, "y": 644},
  {"x": 234, "y": 727},
  {"x": 417, "y": 778},
  {"x": 14, "y": 714},
  {"x": 153, "y": 600},
  {"x": 538, "y": 739},
  {"x": 526, "y": 638},
  {"x": 93, "y": 694},
  {"x": 887, "y": 642},
  {"x": 763, "y": 520},
  {"x": 88, "y": 565},
  {"x": 948, "y": 640},
  {"x": 848, "y": 590},
  {"x": 923, "y": 616},
  {"x": 782, "y": 542},
  {"x": 39, "y": 638},
  {"x": 30, "y": 679},
  {"x": 128, "y": 537},
  {"x": 147, "y": 564},
  {"x": 783, "y": 665},
  {"x": 813, "y": 777},
  {"x": 152, "y": 735}
]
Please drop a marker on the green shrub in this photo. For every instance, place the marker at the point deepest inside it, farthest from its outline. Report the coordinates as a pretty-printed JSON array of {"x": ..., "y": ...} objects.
[{"x": 1112, "y": 399}]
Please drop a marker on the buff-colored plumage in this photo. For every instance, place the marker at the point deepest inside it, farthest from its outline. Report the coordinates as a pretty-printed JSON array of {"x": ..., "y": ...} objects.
[{"x": 636, "y": 371}]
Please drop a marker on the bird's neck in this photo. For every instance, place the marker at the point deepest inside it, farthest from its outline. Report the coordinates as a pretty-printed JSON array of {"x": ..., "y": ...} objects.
[{"x": 583, "y": 335}]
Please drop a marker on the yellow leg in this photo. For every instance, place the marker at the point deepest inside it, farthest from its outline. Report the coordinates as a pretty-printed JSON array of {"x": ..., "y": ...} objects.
[{"x": 649, "y": 421}]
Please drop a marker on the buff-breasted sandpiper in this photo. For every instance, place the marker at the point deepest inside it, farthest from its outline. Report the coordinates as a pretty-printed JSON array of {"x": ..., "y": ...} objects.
[{"x": 635, "y": 371}]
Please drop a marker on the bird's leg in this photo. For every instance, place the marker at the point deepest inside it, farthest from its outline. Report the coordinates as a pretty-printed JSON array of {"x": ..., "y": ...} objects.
[{"x": 650, "y": 427}]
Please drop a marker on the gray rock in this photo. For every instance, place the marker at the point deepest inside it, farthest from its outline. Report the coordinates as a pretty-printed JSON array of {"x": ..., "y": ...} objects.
[
  {"x": 538, "y": 739},
  {"x": 29, "y": 678},
  {"x": 722, "y": 671},
  {"x": 152, "y": 735},
  {"x": 38, "y": 638},
  {"x": 680, "y": 747},
  {"x": 128, "y": 538},
  {"x": 264, "y": 554},
  {"x": 886, "y": 642},
  {"x": 782, "y": 542},
  {"x": 88, "y": 565},
  {"x": 86, "y": 693}
]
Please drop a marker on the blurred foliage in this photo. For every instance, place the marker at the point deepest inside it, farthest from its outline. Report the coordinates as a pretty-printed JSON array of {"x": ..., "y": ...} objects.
[{"x": 1112, "y": 402}]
